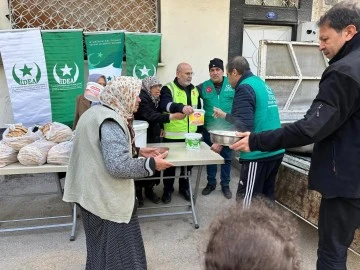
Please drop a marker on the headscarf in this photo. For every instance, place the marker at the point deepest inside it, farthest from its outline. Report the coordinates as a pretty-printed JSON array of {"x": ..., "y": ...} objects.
[
  {"x": 120, "y": 95},
  {"x": 149, "y": 82},
  {"x": 95, "y": 77}
]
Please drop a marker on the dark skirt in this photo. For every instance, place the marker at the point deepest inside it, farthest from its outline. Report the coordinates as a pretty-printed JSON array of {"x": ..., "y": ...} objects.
[{"x": 112, "y": 245}]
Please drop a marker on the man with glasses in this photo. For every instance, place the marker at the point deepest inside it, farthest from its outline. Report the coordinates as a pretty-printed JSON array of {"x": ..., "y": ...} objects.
[{"x": 178, "y": 96}]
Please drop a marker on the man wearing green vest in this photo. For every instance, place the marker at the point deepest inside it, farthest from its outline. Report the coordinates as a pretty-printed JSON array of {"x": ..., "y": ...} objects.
[
  {"x": 217, "y": 92},
  {"x": 254, "y": 109},
  {"x": 178, "y": 96}
]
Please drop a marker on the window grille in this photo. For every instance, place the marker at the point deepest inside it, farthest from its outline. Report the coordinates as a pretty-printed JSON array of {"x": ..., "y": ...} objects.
[
  {"x": 277, "y": 3},
  {"x": 90, "y": 15}
]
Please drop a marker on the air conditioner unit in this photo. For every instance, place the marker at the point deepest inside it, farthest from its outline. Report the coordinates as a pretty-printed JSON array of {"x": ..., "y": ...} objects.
[{"x": 307, "y": 32}]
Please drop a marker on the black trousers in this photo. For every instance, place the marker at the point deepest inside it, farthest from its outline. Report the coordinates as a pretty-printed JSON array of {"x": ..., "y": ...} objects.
[
  {"x": 183, "y": 182},
  {"x": 258, "y": 177},
  {"x": 338, "y": 220}
]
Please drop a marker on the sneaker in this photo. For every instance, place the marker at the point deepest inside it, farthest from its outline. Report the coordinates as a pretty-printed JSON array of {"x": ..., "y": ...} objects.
[
  {"x": 185, "y": 193},
  {"x": 151, "y": 195},
  {"x": 208, "y": 189},
  {"x": 227, "y": 192},
  {"x": 166, "y": 197}
]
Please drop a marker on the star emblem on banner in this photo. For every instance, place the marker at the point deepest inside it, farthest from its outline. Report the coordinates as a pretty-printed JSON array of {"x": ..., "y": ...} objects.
[
  {"x": 26, "y": 70},
  {"x": 108, "y": 79},
  {"x": 144, "y": 71},
  {"x": 66, "y": 70}
]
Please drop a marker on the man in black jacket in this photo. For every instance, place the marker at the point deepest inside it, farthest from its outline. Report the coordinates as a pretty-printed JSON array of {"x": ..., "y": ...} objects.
[{"x": 333, "y": 123}]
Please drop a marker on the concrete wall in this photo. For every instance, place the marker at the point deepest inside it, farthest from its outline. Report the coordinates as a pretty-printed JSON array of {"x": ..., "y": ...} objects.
[
  {"x": 320, "y": 7},
  {"x": 193, "y": 32}
]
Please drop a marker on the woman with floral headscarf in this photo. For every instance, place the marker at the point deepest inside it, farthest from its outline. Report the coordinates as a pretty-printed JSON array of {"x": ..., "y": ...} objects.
[
  {"x": 148, "y": 111},
  {"x": 100, "y": 175}
]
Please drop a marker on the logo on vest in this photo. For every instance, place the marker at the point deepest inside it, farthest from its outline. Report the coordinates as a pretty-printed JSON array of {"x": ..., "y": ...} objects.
[
  {"x": 66, "y": 77},
  {"x": 209, "y": 89},
  {"x": 28, "y": 76},
  {"x": 228, "y": 88}
]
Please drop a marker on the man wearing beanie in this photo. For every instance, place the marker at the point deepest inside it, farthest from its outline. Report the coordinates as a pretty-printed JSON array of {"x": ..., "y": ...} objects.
[{"x": 217, "y": 92}]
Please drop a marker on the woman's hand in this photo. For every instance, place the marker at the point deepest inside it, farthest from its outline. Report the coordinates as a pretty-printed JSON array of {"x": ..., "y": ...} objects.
[
  {"x": 149, "y": 152},
  {"x": 160, "y": 163},
  {"x": 218, "y": 113}
]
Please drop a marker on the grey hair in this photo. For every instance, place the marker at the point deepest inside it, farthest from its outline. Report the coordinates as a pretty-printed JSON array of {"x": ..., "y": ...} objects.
[
  {"x": 239, "y": 63},
  {"x": 341, "y": 15}
]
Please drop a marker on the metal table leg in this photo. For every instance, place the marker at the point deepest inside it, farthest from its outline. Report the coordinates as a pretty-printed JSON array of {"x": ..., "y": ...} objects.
[
  {"x": 193, "y": 211},
  {"x": 73, "y": 228},
  {"x": 198, "y": 178}
]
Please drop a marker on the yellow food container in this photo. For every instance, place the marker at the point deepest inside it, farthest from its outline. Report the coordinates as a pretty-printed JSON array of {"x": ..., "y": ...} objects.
[{"x": 197, "y": 117}]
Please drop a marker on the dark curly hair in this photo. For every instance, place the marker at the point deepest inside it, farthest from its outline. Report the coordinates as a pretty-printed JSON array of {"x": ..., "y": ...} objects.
[
  {"x": 341, "y": 15},
  {"x": 261, "y": 237}
]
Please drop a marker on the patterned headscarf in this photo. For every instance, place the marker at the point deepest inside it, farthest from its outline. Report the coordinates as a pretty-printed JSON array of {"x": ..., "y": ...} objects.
[
  {"x": 120, "y": 94},
  {"x": 149, "y": 82}
]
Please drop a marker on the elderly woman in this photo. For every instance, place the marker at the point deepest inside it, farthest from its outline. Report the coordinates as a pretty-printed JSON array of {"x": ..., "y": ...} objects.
[
  {"x": 100, "y": 177},
  {"x": 148, "y": 111}
]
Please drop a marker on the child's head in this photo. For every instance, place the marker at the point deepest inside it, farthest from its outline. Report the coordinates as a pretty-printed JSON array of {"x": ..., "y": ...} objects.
[{"x": 260, "y": 237}]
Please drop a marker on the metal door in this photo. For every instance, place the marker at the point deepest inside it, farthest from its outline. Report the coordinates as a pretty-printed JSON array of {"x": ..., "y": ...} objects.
[{"x": 252, "y": 36}]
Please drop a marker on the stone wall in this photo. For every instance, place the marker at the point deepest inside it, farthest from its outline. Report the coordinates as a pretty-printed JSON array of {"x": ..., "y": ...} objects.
[
  {"x": 292, "y": 191},
  {"x": 320, "y": 7}
]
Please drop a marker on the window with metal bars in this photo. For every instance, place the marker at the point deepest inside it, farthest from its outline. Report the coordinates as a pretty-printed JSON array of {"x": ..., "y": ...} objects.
[
  {"x": 90, "y": 15},
  {"x": 276, "y": 3}
]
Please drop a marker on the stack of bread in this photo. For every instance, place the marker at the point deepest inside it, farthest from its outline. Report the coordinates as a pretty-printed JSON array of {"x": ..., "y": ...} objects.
[{"x": 51, "y": 143}]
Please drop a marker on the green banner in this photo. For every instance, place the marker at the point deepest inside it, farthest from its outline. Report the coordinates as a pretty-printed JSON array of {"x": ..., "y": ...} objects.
[
  {"x": 105, "y": 53},
  {"x": 142, "y": 54},
  {"x": 65, "y": 67}
]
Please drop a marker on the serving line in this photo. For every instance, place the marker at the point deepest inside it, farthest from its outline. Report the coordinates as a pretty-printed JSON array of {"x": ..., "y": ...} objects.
[{"x": 179, "y": 155}]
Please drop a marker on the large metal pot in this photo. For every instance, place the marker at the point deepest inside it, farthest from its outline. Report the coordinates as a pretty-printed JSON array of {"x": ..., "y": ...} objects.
[{"x": 223, "y": 137}]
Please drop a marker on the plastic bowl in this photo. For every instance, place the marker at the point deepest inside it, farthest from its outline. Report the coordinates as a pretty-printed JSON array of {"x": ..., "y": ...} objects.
[
  {"x": 223, "y": 137},
  {"x": 193, "y": 140}
]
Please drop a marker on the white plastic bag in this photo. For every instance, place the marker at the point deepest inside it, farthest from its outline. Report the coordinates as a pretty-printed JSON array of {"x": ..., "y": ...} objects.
[
  {"x": 17, "y": 136},
  {"x": 35, "y": 153},
  {"x": 56, "y": 132},
  {"x": 7, "y": 155},
  {"x": 60, "y": 153}
]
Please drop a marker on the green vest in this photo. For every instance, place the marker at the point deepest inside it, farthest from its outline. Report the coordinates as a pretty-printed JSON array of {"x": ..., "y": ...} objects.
[
  {"x": 223, "y": 101},
  {"x": 266, "y": 115},
  {"x": 176, "y": 129}
]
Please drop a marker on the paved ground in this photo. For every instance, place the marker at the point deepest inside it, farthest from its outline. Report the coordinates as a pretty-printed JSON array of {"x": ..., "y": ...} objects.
[{"x": 170, "y": 242}]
